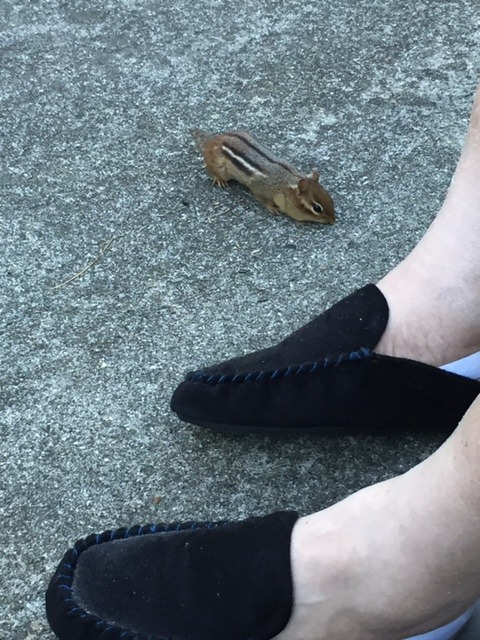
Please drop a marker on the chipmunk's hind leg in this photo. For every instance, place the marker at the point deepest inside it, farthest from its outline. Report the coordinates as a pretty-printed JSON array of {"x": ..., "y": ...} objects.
[{"x": 215, "y": 162}]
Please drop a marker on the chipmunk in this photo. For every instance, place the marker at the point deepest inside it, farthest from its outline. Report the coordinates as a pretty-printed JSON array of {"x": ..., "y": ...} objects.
[{"x": 281, "y": 188}]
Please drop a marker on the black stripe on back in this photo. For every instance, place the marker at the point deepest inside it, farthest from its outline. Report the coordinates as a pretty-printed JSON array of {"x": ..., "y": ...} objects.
[
  {"x": 241, "y": 167},
  {"x": 249, "y": 161},
  {"x": 260, "y": 152}
]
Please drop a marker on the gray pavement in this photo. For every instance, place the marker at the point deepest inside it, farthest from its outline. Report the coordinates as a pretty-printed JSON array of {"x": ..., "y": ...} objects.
[{"x": 96, "y": 103}]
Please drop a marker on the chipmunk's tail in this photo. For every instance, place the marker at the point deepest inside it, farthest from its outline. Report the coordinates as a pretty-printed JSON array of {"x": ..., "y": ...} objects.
[{"x": 200, "y": 138}]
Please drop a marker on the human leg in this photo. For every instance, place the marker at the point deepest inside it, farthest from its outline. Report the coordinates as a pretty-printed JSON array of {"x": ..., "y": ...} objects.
[
  {"x": 433, "y": 295},
  {"x": 398, "y": 558}
]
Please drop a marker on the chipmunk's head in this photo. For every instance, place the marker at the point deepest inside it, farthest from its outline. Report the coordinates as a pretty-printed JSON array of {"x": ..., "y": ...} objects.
[{"x": 316, "y": 203}]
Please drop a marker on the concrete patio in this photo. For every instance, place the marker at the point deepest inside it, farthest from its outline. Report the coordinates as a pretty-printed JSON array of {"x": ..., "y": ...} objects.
[{"x": 101, "y": 182}]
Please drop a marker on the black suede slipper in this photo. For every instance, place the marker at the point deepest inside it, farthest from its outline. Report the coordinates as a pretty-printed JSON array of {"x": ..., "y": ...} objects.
[
  {"x": 188, "y": 581},
  {"x": 326, "y": 379}
]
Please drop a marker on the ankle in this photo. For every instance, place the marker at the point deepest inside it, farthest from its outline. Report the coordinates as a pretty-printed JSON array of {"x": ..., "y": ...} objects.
[
  {"x": 326, "y": 580},
  {"x": 430, "y": 321},
  {"x": 368, "y": 568}
]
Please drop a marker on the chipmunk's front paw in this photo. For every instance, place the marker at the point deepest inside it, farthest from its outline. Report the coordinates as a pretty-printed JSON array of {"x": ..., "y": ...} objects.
[{"x": 273, "y": 209}]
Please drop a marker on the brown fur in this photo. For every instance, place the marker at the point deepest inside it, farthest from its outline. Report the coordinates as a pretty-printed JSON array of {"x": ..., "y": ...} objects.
[{"x": 280, "y": 187}]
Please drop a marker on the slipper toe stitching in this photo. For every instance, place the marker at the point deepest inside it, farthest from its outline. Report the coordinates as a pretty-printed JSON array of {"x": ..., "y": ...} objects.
[{"x": 292, "y": 370}]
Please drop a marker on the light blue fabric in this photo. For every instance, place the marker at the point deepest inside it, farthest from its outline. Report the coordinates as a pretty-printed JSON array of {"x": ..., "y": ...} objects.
[{"x": 448, "y": 631}]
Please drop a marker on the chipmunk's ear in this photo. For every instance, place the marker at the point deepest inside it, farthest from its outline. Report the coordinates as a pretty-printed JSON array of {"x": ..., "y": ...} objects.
[
  {"x": 302, "y": 186},
  {"x": 304, "y": 183}
]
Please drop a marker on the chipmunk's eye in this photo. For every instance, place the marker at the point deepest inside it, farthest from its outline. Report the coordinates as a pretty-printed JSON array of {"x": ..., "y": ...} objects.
[{"x": 317, "y": 208}]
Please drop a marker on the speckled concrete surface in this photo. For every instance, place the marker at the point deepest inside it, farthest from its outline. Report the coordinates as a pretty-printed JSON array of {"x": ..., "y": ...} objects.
[{"x": 96, "y": 103}]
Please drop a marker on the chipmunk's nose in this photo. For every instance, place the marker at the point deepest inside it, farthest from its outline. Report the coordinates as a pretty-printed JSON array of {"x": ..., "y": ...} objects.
[{"x": 332, "y": 217}]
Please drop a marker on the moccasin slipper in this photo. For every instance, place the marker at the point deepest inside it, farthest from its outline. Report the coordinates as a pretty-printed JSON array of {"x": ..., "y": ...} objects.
[
  {"x": 326, "y": 379},
  {"x": 188, "y": 581}
]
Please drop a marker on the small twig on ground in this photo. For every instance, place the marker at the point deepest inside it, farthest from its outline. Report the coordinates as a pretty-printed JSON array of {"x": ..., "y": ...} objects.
[{"x": 89, "y": 266}]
